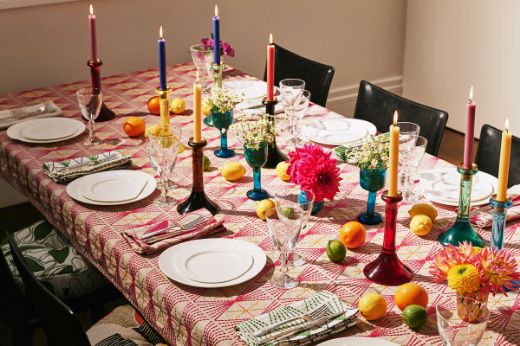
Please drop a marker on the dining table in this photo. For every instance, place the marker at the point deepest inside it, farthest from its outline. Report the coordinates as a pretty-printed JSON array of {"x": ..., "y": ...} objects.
[{"x": 186, "y": 315}]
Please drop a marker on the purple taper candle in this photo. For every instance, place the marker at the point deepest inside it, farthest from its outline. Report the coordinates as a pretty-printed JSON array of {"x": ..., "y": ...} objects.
[
  {"x": 470, "y": 129},
  {"x": 92, "y": 30}
]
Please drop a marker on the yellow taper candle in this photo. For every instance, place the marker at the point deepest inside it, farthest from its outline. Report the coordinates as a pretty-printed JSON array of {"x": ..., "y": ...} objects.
[
  {"x": 393, "y": 160},
  {"x": 503, "y": 168},
  {"x": 197, "y": 92}
]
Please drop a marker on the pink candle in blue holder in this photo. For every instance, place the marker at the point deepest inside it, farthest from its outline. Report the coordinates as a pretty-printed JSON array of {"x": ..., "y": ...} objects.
[
  {"x": 216, "y": 37},
  {"x": 162, "y": 60}
]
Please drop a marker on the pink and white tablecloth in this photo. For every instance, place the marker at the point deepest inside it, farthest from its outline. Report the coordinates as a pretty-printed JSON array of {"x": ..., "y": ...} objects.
[{"x": 193, "y": 316}]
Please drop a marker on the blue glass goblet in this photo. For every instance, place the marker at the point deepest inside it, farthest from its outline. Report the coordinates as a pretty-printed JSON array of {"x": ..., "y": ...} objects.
[
  {"x": 371, "y": 180},
  {"x": 222, "y": 121},
  {"x": 256, "y": 158}
]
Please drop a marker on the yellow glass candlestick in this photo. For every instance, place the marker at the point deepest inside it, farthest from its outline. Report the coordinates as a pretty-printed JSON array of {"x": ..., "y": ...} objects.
[
  {"x": 393, "y": 161},
  {"x": 164, "y": 108},
  {"x": 217, "y": 75},
  {"x": 505, "y": 157}
]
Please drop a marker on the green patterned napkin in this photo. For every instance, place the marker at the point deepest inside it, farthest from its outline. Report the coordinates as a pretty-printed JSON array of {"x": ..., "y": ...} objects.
[
  {"x": 346, "y": 317},
  {"x": 67, "y": 170}
]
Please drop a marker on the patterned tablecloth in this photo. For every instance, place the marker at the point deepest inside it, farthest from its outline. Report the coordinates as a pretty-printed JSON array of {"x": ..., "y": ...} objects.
[{"x": 186, "y": 315}]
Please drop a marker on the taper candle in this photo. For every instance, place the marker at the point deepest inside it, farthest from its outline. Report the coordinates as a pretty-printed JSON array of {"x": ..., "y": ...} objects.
[
  {"x": 270, "y": 69},
  {"x": 92, "y": 31},
  {"x": 197, "y": 92},
  {"x": 470, "y": 129},
  {"x": 161, "y": 43},
  {"x": 216, "y": 37},
  {"x": 503, "y": 168},
  {"x": 393, "y": 160}
]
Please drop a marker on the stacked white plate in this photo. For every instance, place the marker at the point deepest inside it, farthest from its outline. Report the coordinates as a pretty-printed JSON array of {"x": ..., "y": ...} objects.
[
  {"x": 247, "y": 90},
  {"x": 335, "y": 132},
  {"x": 112, "y": 187},
  {"x": 46, "y": 130},
  {"x": 211, "y": 263},
  {"x": 443, "y": 186}
]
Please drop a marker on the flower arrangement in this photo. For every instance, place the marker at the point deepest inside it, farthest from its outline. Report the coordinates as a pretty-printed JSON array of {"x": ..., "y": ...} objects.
[
  {"x": 372, "y": 154},
  {"x": 223, "y": 100},
  {"x": 255, "y": 130},
  {"x": 225, "y": 48},
  {"x": 315, "y": 171}
]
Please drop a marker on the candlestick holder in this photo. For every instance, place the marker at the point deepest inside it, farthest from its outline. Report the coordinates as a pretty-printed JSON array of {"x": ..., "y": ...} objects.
[
  {"x": 105, "y": 114},
  {"x": 274, "y": 155},
  {"x": 197, "y": 198},
  {"x": 387, "y": 268},
  {"x": 164, "y": 108},
  {"x": 499, "y": 221},
  {"x": 217, "y": 75},
  {"x": 462, "y": 230}
]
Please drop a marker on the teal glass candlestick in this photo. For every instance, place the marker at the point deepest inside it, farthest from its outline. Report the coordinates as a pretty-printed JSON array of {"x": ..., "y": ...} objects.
[
  {"x": 256, "y": 158},
  {"x": 462, "y": 230},
  {"x": 499, "y": 221},
  {"x": 222, "y": 121},
  {"x": 371, "y": 180}
]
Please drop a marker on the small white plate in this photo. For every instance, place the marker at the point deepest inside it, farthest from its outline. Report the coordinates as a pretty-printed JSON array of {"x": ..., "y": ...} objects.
[
  {"x": 172, "y": 259},
  {"x": 75, "y": 188},
  {"x": 338, "y": 131},
  {"x": 356, "y": 341},
  {"x": 247, "y": 89},
  {"x": 102, "y": 188},
  {"x": 43, "y": 131},
  {"x": 17, "y": 131}
]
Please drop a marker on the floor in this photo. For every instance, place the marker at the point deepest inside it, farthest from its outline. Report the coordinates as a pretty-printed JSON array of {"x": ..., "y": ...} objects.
[{"x": 451, "y": 150}]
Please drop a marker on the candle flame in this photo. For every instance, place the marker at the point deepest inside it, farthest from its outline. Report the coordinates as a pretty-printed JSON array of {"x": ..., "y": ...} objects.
[
  {"x": 270, "y": 38},
  {"x": 471, "y": 93},
  {"x": 506, "y": 125},
  {"x": 91, "y": 9},
  {"x": 395, "y": 118},
  {"x": 160, "y": 31},
  {"x": 216, "y": 10}
]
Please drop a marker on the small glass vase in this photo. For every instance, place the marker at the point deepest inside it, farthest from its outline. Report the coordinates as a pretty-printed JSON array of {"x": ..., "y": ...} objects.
[
  {"x": 222, "y": 121},
  {"x": 472, "y": 307},
  {"x": 256, "y": 158},
  {"x": 371, "y": 180},
  {"x": 316, "y": 207}
]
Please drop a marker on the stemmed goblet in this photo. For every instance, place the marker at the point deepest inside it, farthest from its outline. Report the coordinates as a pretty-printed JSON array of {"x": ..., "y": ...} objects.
[
  {"x": 90, "y": 106},
  {"x": 371, "y": 180},
  {"x": 300, "y": 108},
  {"x": 203, "y": 59},
  {"x": 256, "y": 158},
  {"x": 222, "y": 121}
]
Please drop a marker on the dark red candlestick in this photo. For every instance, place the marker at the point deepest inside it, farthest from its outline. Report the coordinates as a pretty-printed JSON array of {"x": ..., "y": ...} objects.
[
  {"x": 95, "y": 75},
  {"x": 274, "y": 155}
]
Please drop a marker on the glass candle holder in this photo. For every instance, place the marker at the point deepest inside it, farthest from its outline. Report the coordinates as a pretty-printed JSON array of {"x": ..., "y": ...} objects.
[
  {"x": 256, "y": 158},
  {"x": 164, "y": 108},
  {"x": 499, "y": 221},
  {"x": 222, "y": 121},
  {"x": 371, "y": 180},
  {"x": 462, "y": 230}
]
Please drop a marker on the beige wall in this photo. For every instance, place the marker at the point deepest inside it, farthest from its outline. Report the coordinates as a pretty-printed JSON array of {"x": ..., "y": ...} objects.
[{"x": 451, "y": 45}]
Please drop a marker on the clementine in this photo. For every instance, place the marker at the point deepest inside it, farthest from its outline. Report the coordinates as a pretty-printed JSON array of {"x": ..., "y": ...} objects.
[
  {"x": 134, "y": 126},
  {"x": 409, "y": 294},
  {"x": 153, "y": 105},
  {"x": 352, "y": 234}
]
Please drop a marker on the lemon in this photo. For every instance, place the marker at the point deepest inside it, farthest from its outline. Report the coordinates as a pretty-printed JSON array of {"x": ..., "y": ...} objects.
[
  {"x": 232, "y": 171},
  {"x": 424, "y": 209},
  {"x": 281, "y": 171},
  {"x": 263, "y": 206},
  {"x": 421, "y": 225},
  {"x": 156, "y": 130},
  {"x": 177, "y": 105},
  {"x": 206, "y": 163},
  {"x": 372, "y": 306},
  {"x": 336, "y": 251},
  {"x": 206, "y": 107},
  {"x": 415, "y": 316}
]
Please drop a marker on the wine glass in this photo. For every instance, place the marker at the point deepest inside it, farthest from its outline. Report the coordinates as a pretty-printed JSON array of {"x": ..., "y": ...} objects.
[
  {"x": 222, "y": 121},
  {"x": 300, "y": 109},
  {"x": 203, "y": 59},
  {"x": 410, "y": 157},
  {"x": 90, "y": 106},
  {"x": 162, "y": 151}
]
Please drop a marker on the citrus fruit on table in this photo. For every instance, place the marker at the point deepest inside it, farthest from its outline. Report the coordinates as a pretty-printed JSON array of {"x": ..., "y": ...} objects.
[
  {"x": 205, "y": 163},
  {"x": 421, "y": 225},
  {"x": 206, "y": 107},
  {"x": 232, "y": 171},
  {"x": 415, "y": 316},
  {"x": 352, "y": 234},
  {"x": 177, "y": 105},
  {"x": 153, "y": 105},
  {"x": 336, "y": 251},
  {"x": 281, "y": 171},
  {"x": 263, "y": 206},
  {"x": 372, "y": 306},
  {"x": 423, "y": 209},
  {"x": 410, "y": 294},
  {"x": 288, "y": 212},
  {"x": 134, "y": 126}
]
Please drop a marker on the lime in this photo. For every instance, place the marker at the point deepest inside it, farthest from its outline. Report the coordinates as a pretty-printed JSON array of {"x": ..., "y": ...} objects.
[
  {"x": 415, "y": 316},
  {"x": 336, "y": 251},
  {"x": 288, "y": 212},
  {"x": 205, "y": 163}
]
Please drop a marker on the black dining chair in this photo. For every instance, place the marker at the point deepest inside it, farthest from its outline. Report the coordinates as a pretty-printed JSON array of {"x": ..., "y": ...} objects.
[
  {"x": 488, "y": 154},
  {"x": 317, "y": 76},
  {"x": 377, "y": 106}
]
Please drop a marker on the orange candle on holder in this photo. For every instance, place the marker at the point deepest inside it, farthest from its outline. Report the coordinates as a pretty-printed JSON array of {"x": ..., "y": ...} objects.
[
  {"x": 393, "y": 160},
  {"x": 270, "y": 69},
  {"x": 503, "y": 168},
  {"x": 197, "y": 92}
]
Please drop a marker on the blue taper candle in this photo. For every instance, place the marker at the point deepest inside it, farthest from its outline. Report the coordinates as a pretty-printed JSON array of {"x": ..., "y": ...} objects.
[
  {"x": 162, "y": 60},
  {"x": 216, "y": 37}
]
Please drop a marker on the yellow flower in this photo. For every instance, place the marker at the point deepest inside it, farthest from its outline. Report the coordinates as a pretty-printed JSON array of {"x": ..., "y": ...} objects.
[{"x": 464, "y": 278}]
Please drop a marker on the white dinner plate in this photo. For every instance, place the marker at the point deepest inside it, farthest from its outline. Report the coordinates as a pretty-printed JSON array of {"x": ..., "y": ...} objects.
[
  {"x": 203, "y": 263},
  {"x": 112, "y": 188},
  {"x": 75, "y": 188},
  {"x": 357, "y": 341},
  {"x": 46, "y": 130},
  {"x": 443, "y": 186},
  {"x": 247, "y": 89},
  {"x": 338, "y": 131}
]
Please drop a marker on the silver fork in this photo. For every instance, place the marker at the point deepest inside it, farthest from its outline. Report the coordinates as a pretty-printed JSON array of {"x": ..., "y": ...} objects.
[{"x": 190, "y": 224}]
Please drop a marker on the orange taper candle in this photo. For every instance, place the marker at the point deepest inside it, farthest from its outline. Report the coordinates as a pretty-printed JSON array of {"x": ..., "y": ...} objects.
[
  {"x": 503, "y": 168},
  {"x": 393, "y": 160}
]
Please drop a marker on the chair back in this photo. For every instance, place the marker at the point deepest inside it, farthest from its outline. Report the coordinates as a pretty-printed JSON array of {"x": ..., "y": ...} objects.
[
  {"x": 488, "y": 154},
  {"x": 317, "y": 76},
  {"x": 377, "y": 106},
  {"x": 60, "y": 324}
]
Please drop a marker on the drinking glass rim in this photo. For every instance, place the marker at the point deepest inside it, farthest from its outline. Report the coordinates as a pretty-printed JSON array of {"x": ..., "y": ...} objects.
[
  {"x": 292, "y": 86},
  {"x": 200, "y": 48},
  {"x": 87, "y": 91},
  {"x": 309, "y": 201}
]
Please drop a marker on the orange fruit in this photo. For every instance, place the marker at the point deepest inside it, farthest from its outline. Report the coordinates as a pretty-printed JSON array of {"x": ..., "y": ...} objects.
[
  {"x": 153, "y": 105},
  {"x": 352, "y": 234},
  {"x": 134, "y": 126},
  {"x": 409, "y": 294}
]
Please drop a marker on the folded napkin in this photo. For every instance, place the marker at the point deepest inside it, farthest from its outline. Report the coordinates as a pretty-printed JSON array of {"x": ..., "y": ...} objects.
[
  {"x": 42, "y": 110},
  {"x": 346, "y": 317},
  {"x": 67, "y": 170},
  {"x": 196, "y": 224},
  {"x": 483, "y": 216}
]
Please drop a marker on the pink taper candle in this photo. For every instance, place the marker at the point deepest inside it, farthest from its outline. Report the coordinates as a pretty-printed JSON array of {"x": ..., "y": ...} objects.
[
  {"x": 270, "y": 69},
  {"x": 470, "y": 128},
  {"x": 92, "y": 30}
]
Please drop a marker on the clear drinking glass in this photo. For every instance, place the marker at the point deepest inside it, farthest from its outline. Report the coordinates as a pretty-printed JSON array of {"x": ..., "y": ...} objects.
[
  {"x": 203, "y": 60},
  {"x": 162, "y": 151},
  {"x": 453, "y": 330},
  {"x": 90, "y": 106},
  {"x": 299, "y": 110},
  {"x": 408, "y": 133},
  {"x": 409, "y": 158},
  {"x": 291, "y": 90}
]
